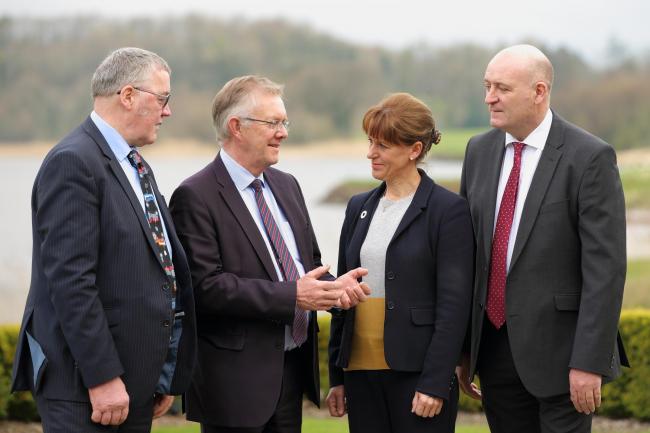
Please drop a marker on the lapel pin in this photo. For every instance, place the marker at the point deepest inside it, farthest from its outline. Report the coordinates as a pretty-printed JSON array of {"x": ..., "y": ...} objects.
[{"x": 363, "y": 214}]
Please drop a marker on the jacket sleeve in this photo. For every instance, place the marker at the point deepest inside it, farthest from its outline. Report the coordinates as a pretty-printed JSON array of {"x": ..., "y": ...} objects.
[
  {"x": 601, "y": 227},
  {"x": 454, "y": 275},
  {"x": 67, "y": 204},
  {"x": 339, "y": 315}
]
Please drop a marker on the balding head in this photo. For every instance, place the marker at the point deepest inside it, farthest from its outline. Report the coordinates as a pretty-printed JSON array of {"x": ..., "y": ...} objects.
[
  {"x": 531, "y": 60},
  {"x": 518, "y": 83}
]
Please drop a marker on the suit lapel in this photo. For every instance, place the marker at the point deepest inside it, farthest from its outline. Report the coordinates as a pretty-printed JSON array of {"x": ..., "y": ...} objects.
[
  {"x": 541, "y": 179},
  {"x": 362, "y": 224},
  {"x": 418, "y": 204},
  {"x": 233, "y": 200},
  {"x": 116, "y": 168},
  {"x": 494, "y": 160}
]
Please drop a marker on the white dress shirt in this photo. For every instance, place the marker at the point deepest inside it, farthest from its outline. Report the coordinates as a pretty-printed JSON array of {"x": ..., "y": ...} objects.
[
  {"x": 242, "y": 179},
  {"x": 531, "y": 153}
]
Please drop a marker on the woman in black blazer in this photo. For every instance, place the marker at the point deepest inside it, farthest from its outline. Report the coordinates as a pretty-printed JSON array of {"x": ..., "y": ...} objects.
[{"x": 392, "y": 358}]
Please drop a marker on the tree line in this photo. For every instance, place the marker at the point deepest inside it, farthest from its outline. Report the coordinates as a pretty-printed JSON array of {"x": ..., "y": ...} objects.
[{"x": 46, "y": 65}]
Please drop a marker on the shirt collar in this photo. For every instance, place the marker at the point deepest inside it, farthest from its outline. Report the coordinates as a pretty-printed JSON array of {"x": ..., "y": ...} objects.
[
  {"x": 241, "y": 177},
  {"x": 538, "y": 137},
  {"x": 115, "y": 141}
]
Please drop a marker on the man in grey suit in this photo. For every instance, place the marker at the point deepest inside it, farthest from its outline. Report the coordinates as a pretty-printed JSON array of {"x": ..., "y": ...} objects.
[
  {"x": 549, "y": 218},
  {"x": 108, "y": 334}
]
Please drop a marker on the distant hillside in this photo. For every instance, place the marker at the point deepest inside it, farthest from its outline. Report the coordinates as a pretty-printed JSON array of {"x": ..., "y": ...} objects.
[{"x": 46, "y": 65}]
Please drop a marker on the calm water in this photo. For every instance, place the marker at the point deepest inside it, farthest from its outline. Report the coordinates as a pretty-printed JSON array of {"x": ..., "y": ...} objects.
[{"x": 316, "y": 176}]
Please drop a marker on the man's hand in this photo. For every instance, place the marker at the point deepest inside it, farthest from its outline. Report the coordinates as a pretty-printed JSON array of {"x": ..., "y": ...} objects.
[
  {"x": 336, "y": 401},
  {"x": 313, "y": 294},
  {"x": 585, "y": 390},
  {"x": 426, "y": 406},
  {"x": 161, "y": 404},
  {"x": 462, "y": 373},
  {"x": 355, "y": 292},
  {"x": 110, "y": 402}
]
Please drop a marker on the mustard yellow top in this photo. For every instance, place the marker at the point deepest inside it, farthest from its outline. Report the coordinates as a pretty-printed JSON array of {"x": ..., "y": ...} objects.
[{"x": 368, "y": 337}]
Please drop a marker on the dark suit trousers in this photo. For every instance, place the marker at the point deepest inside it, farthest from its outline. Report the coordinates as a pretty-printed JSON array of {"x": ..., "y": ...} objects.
[
  {"x": 287, "y": 417},
  {"x": 509, "y": 407},
  {"x": 379, "y": 401},
  {"x": 62, "y": 416}
]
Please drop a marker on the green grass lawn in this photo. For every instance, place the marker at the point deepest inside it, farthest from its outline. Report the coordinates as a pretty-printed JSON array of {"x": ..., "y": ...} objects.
[{"x": 313, "y": 425}]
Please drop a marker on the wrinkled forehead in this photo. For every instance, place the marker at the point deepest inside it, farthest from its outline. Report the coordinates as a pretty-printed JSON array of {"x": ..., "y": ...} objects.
[
  {"x": 506, "y": 68},
  {"x": 267, "y": 104}
]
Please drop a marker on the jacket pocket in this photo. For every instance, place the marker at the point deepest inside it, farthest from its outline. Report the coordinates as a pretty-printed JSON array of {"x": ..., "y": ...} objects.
[
  {"x": 422, "y": 316},
  {"x": 225, "y": 340},
  {"x": 567, "y": 302}
]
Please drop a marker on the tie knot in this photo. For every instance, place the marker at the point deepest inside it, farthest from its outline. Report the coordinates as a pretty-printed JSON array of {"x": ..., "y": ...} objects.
[
  {"x": 519, "y": 147},
  {"x": 256, "y": 185},
  {"x": 134, "y": 158}
]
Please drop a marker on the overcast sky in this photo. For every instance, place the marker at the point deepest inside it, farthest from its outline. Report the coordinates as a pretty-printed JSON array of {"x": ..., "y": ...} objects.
[{"x": 586, "y": 26}]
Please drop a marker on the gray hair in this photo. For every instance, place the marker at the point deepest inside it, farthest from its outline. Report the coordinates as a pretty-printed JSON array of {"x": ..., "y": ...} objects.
[
  {"x": 124, "y": 66},
  {"x": 236, "y": 98}
]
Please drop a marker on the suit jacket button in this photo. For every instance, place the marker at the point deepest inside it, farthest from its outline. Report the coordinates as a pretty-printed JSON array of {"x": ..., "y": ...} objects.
[
  {"x": 390, "y": 305},
  {"x": 165, "y": 323},
  {"x": 390, "y": 275}
]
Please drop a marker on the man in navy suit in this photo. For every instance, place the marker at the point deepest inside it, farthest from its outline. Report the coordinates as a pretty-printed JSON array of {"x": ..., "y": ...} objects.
[{"x": 108, "y": 334}]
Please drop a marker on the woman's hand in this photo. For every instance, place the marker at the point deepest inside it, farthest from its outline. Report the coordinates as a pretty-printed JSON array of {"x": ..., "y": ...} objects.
[
  {"x": 426, "y": 406},
  {"x": 336, "y": 401}
]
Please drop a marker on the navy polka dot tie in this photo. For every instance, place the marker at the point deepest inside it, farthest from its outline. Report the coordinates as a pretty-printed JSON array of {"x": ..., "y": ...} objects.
[{"x": 496, "y": 301}]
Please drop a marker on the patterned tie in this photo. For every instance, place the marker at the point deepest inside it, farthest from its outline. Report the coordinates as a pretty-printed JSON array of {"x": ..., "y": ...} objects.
[
  {"x": 496, "y": 303},
  {"x": 153, "y": 217},
  {"x": 287, "y": 265}
]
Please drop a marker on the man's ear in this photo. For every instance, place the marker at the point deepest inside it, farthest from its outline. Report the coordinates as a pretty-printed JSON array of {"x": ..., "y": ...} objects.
[
  {"x": 541, "y": 91},
  {"x": 234, "y": 127},
  {"x": 126, "y": 96}
]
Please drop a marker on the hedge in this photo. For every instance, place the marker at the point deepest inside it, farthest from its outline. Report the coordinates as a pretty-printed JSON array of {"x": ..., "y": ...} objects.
[{"x": 627, "y": 397}]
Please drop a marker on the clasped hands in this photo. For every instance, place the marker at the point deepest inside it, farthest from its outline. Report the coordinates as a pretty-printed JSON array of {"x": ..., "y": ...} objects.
[{"x": 345, "y": 292}]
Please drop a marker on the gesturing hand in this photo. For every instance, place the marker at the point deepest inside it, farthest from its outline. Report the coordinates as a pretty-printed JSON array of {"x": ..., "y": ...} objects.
[
  {"x": 312, "y": 294},
  {"x": 110, "y": 402},
  {"x": 355, "y": 292}
]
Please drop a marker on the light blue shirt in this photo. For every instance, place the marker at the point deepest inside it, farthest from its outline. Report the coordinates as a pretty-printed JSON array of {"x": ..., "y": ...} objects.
[
  {"x": 121, "y": 150},
  {"x": 242, "y": 179}
]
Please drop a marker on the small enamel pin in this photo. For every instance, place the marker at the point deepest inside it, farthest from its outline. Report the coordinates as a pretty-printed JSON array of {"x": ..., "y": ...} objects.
[{"x": 363, "y": 214}]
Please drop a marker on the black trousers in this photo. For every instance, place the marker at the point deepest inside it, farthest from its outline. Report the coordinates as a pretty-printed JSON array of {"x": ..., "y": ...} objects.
[
  {"x": 62, "y": 416},
  {"x": 287, "y": 417},
  {"x": 379, "y": 401},
  {"x": 509, "y": 407}
]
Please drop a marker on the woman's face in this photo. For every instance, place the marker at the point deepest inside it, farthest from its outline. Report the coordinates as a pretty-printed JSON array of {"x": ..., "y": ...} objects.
[{"x": 391, "y": 161}]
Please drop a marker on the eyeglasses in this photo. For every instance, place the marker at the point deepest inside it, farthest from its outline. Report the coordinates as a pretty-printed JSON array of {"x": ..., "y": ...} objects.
[
  {"x": 273, "y": 124},
  {"x": 163, "y": 100}
]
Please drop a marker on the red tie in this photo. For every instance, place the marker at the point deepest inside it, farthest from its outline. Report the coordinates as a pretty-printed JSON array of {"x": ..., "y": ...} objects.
[{"x": 496, "y": 302}]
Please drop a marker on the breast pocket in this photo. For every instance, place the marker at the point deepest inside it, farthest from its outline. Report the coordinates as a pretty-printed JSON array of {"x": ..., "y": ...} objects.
[{"x": 555, "y": 206}]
